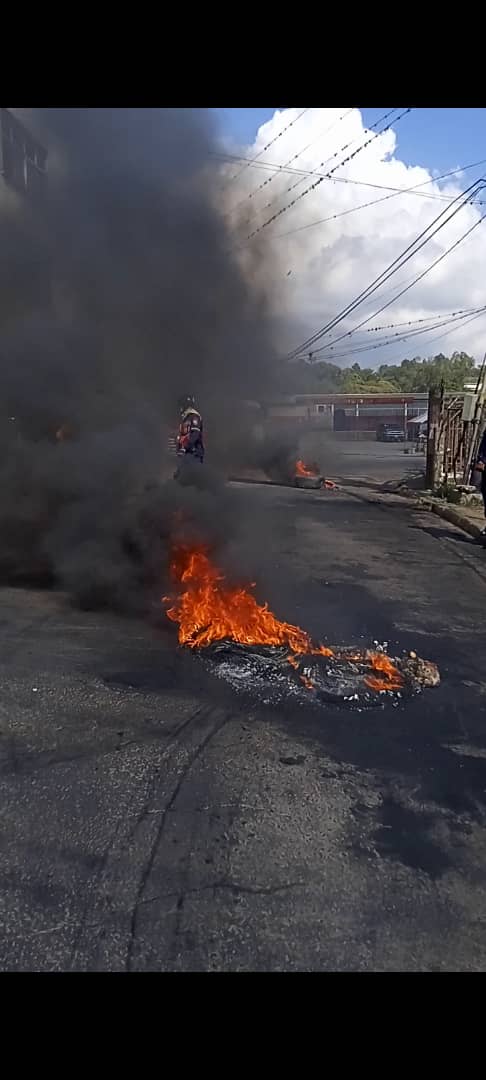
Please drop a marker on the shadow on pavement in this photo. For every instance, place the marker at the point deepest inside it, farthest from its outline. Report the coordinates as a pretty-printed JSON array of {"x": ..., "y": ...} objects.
[
  {"x": 414, "y": 481},
  {"x": 446, "y": 534}
]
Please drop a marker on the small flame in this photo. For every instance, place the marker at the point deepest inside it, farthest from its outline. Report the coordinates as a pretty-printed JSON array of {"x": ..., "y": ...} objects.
[
  {"x": 301, "y": 469},
  {"x": 380, "y": 662}
]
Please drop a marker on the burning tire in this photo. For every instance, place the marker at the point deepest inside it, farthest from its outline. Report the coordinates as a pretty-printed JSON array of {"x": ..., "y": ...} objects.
[
  {"x": 348, "y": 678},
  {"x": 312, "y": 483},
  {"x": 242, "y": 642}
]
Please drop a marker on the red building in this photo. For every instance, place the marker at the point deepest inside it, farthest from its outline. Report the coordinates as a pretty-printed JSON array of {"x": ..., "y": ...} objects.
[{"x": 347, "y": 412}]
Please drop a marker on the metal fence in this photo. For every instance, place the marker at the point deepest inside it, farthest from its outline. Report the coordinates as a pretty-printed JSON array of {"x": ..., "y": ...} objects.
[{"x": 455, "y": 427}]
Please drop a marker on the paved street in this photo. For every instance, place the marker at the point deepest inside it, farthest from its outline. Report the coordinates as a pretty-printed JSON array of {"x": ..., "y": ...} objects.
[
  {"x": 364, "y": 458},
  {"x": 379, "y": 461},
  {"x": 153, "y": 819}
]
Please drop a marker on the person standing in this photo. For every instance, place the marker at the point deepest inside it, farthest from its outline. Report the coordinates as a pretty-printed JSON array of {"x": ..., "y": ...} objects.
[
  {"x": 481, "y": 468},
  {"x": 190, "y": 439}
]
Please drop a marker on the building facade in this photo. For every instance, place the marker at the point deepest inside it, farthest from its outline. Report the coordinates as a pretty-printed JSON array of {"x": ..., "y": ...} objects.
[
  {"x": 23, "y": 160},
  {"x": 352, "y": 413}
]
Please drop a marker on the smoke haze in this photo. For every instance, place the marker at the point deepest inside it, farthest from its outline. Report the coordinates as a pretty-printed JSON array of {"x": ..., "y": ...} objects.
[{"x": 118, "y": 295}]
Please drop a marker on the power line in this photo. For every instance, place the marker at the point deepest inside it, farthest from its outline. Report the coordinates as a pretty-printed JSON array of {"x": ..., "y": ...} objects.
[
  {"x": 284, "y": 167},
  {"x": 271, "y": 143},
  {"x": 403, "y": 336},
  {"x": 391, "y": 339},
  {"x": 435, "y": 321},
  {"x": 440, "y": 337},
  {"x": 313, "y": 186},
  {"x": 415, "y": 282},
  {"x": 394, "y": 266},
  {"x": 383, "y": 198},
  {"x": 415, "y": 322},
  {"x": 337, "y": 153},
  {"x": 303, "y": 173},
  {"x": 393, "y": 291},
  {"x": 389, "y": 271}
]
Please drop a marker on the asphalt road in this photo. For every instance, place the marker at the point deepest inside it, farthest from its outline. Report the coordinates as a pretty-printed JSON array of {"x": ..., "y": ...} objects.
[
  {"x": 366, "y": 458},
  {"x": 379, "y": 461},
  {"x": 153, "y": 819}
]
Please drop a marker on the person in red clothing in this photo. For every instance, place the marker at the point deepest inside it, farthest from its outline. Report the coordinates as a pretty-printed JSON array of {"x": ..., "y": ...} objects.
[{"x": 190, "y": 439}]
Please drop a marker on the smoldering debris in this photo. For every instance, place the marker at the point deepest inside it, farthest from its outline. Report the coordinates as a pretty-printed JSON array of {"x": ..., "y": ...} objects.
[
  {"x": 344, "y": 678},
  {"x": 123, "y": 295}
]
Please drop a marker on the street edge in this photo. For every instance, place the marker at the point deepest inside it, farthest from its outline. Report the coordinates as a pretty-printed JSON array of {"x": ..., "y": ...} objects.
[
  {"x": 447, "y": 513},
  {"x": 434, "y": 506}
]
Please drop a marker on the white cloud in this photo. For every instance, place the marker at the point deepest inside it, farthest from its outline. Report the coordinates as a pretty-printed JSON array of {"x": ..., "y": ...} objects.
[{"x": 313, "y": 272}]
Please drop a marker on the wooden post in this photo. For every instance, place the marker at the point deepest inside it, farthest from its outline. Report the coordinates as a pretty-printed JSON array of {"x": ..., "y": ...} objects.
[
  {"x": 476, "y": 427},
  {"x": 432, "y": 467}
]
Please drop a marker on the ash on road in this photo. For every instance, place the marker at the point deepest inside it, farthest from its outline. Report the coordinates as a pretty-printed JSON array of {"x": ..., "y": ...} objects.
[{"x": 152, "y": 819}]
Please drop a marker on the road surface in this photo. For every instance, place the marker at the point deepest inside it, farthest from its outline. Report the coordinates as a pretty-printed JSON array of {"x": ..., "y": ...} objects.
[
  {"x": 152, "y": 819},
  {"x": 361, "y": 458}
]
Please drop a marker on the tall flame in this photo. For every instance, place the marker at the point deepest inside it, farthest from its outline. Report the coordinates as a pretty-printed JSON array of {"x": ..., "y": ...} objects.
[{"x": 208, "y": 609}]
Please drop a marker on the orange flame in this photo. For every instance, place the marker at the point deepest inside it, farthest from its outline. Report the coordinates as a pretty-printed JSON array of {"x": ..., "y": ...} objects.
[
  {"x": 309, "y": 685},
  {"x": 209, "y": 610},
  {"x": 380, "y": 662},
  {"x": 301, "y": 469}
]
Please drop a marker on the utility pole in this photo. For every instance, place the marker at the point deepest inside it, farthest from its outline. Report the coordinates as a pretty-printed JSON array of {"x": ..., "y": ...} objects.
[{"x": 432, "y": 468}]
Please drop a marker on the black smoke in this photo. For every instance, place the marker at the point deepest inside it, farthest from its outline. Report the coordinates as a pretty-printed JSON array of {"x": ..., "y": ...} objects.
[{"x": 118, "y": 293}]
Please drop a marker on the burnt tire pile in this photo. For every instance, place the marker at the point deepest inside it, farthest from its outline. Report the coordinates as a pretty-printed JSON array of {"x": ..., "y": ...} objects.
[
  {"x": 275, "y": 676},
  {"x": 311, "y": 483}
]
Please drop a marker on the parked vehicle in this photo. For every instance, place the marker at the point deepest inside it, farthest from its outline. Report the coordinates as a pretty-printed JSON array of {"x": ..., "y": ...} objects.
[{"x": 388, "y": 433}]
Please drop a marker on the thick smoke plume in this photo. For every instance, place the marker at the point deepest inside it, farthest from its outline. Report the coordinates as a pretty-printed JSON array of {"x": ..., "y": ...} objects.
[{"x": 118, "y": 294}]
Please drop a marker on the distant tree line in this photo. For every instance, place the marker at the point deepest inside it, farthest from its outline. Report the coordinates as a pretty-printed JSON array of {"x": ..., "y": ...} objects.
[{"x": 410, "y": 377}]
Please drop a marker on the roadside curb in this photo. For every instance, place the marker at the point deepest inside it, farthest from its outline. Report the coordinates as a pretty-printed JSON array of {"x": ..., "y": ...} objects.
[
  {"x": 446, "y": 512},
  {"x": 255, "y": 480},
  {"x": 434, "y": 506},
  {"x": 293, "y": 485}
]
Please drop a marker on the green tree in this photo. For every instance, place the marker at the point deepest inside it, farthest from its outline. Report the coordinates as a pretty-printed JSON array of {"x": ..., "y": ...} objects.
[
  {"x": 415, "y": 376},
  {"x": 418, "y": 375},
  {"x": 358, "y": 380}
]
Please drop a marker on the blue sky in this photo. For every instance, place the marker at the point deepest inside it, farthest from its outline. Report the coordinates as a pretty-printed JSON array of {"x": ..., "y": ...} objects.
[{"x": 436, "y": 138}]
